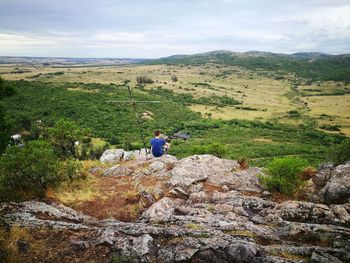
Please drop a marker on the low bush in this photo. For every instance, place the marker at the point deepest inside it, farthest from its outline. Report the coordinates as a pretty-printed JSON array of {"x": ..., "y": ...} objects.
[
  {"x": 216, "y": 149},
  {"x": 341, "y": 152},
  {"x": 70, "y": 169},
  {"x": 330, "y": 127},
  {"x": 142, "y": 80},
  {"x": 283, "y": 175},
  {"x": 30, "y": 169}
]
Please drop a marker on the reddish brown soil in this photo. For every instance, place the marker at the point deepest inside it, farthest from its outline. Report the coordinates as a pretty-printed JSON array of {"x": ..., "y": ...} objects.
[
  {"x": 119, "y": 197},
  {"x": 55, "y": 246}
]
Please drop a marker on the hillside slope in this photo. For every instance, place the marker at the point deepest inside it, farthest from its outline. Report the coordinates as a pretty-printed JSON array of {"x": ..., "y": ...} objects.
[
  {"x": 313, "y": 65},
  {"x": 198, "y": 209}
]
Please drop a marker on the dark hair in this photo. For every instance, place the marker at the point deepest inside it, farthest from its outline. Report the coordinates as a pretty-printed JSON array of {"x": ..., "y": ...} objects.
[{"x": 156, "y": 133}]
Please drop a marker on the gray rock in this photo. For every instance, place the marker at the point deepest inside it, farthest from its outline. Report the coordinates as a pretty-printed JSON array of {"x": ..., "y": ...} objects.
[
  {"x": 243, "y": 253},
  {"x": 164, "y": 208},
  {"x": 199, "y": 168},
  {"x": 185, "y": 254},
  {"x": 147, "y": 199},
  {"x": 143, "y": 245},
  {"x": 337, "y": 189},
  {"x": 341, "y": 214},
  {"x": 117, "y": 170},
  {"x": 142, "y": 155},
  {"x": 128, "y": 155},
  {"x": 179, "y": 192},
  {"x": 112, "y": 155},
  {"x": 241, "y": 180},
  {"x": 323, "y": 257},
  {"x": 324, "y": 173},
  {"x": 156, "y": 166}
]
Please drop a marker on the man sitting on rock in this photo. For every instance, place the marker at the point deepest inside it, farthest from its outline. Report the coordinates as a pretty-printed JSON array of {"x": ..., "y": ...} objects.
[{"x": 158, "y": 145}]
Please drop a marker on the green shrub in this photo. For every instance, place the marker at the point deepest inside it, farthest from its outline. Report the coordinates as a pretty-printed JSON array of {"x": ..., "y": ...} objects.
[
  {"x": 216, "y": 149},
  {"x": 63, "y": 137},
  {"x": 341, "y": 152},
  {"x": 294, "y": 113},
  {"x": 29, "y": 169},
  {"x": 143, "y": 80},
  {"x": 330, "y": 127},
  {"x": 283, "y": 175},
  {"x": 70, "y": 169}
]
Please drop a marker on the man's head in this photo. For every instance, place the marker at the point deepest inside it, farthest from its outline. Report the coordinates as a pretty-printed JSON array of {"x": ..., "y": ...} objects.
[{"x": 156, "y": 133}]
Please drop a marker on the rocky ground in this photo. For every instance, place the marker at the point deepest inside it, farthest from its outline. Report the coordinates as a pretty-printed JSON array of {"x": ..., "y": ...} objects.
[{"x": 203, "y": 209}]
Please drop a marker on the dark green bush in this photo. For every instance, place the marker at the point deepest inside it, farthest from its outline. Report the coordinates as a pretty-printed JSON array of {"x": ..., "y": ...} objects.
[
  {"x": 29, "y": 169},
  {"x": 143, "y": 80},
  {"x": 216, "y": 149},
  {"x": 330, "y": 127},
  {"x": 69, "y": 169},
  {"x": 283, "y": 175},
  {"x": 341, "y": 152},
  {"x": 63, "y": 137}
]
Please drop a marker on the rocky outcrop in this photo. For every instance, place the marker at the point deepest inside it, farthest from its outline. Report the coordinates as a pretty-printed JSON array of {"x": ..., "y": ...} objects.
[
  {"x": 336, "y": 189},
  {"x": 117, "y": 170},
  {"x": 112, "y": 155},
  {"x": 199, "y": 168},
  {"x": 231, "y": 220}
]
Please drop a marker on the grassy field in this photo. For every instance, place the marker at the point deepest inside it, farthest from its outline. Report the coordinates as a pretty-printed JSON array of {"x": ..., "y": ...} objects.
[
  {"x": 250, "y": 114},
  {"x": 261, "y": 97}
]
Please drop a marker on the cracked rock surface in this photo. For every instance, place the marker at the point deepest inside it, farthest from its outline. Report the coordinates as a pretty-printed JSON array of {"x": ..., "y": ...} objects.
[{"x": 230, "y": 224}]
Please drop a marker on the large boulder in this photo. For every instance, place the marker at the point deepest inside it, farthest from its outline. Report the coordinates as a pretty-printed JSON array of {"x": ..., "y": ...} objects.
[
  {"x": 161, "y": 165},
  {"x": 199, "y": 168},
  {"x": 241, "y": 180},
  {"x": 162, "y": 209},
  {"x": 324, "y": 173},
  {"x": 337, "y": 189},
  {"x": 117, "y": 170},
  {"x": 112, "y": 155}
]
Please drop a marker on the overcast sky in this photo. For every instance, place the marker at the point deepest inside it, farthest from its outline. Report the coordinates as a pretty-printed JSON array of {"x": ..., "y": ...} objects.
[{"x": 157, "y": 28}]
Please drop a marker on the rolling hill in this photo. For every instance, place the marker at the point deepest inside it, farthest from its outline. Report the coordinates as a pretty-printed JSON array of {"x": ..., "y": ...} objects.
[{"x": 308, "y": 65}]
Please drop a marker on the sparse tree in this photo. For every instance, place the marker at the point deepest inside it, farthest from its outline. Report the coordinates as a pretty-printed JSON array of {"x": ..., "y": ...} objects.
[{"x": 64, "y": 136}]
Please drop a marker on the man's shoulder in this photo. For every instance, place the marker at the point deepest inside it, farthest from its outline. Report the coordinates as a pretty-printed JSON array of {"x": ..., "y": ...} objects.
[{"x": 157, "y": 140}]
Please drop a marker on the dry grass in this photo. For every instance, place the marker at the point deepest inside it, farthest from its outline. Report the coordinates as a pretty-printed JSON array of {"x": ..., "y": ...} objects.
[
  {"x": 9, "y": 243},
  {"x": 337, "y": 107},
  {"x": 194, "y": 226},
  {"x": 77, "y": 192},
  {"x": 244, "y": 233}
]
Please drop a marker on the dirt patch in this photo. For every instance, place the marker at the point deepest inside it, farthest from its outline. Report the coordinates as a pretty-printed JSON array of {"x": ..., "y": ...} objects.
[
  {"x": 279, "y": 197},
  {"x": 210, "y": 188},
  {"x": 119, "y": 197}
]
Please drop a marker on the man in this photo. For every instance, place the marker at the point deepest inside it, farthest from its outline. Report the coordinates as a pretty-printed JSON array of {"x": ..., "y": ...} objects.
[{"x": 158, "y": 144}]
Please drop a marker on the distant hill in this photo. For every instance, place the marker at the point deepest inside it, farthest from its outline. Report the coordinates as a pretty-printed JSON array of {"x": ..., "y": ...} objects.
[
  {"x": 66, "y": 61},
  {"x": 309, "y": 65}
]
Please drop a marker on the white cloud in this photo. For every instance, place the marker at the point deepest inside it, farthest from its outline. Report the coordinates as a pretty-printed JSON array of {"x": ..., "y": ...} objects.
[{"x": 140, "y": 28}]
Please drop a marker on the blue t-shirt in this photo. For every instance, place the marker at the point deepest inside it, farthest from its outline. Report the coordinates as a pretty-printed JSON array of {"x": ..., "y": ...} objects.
[{"x": 157, "y": 146}]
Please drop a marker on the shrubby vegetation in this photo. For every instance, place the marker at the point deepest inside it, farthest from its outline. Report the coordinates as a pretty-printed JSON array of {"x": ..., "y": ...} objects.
[
  {"x": 341, "y": 152},
  {"x": 64, "y": 136},
  {"x": 188, "y": 99},
  {"x": 143, "y": 80},
  {"x": 216, "y": 149},
  {"x": 91, "y": 111},
  {"x": 6, "y": 90},
  {"x": 28, "y": 170},
  {"x": 243, "y": 139},
  {"x": 283, "y": 175},
  {"x": 75, "y": 115}
]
